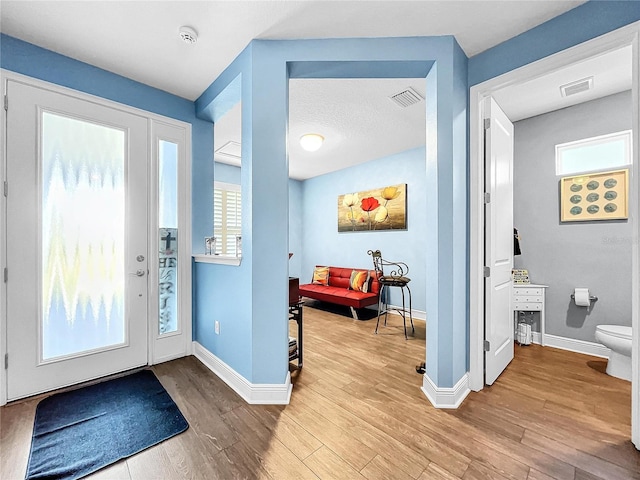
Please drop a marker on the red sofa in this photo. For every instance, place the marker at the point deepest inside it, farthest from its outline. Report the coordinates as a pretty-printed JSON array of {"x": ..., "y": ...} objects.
[{"x": 338, "y": 291}]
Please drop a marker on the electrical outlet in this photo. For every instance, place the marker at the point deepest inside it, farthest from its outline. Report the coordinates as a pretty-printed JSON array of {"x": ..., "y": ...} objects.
[{"x": 217, "y": 327}]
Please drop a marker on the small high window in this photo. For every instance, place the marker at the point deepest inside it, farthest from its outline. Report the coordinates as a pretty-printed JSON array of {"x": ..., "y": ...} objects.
[
  {"x": 227, "y": 217},
  {"x": 596, "y": 153}
]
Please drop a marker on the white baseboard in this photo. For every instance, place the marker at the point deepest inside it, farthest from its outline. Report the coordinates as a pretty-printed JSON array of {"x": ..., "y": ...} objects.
[
  {"x": 537, "y": 338},
  {"x": 168, "y": 358},
  {"x": 578, "y": 346},
  {"x": 416, "y": 314},
  {"x": 446, "y": 397},
  {"x": 253, "y": 393}
]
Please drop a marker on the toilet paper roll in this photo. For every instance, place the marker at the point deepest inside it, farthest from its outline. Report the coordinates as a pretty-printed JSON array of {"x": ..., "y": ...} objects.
[{"x": 581, "y": 297}]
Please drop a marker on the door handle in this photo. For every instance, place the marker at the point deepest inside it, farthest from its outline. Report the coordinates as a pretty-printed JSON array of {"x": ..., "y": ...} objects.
[{"x": 139, "y": 273}]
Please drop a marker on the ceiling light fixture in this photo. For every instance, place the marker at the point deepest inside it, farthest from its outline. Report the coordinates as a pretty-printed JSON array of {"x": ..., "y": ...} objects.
[
  {"x": 311, "y": 141},
  {"x": 188, "y": 35}
]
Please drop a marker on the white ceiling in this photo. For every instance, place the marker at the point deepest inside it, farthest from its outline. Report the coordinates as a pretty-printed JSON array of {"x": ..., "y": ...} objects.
[
  {"x": 139, "y": 40},
  {"x": 355, "y": 116},
  {"x": 611, "y": 74},
  {"x": 360, "y": 123}
]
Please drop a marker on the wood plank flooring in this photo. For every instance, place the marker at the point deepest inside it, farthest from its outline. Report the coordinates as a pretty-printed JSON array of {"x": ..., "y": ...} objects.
[{"x": 357, "y": 412}]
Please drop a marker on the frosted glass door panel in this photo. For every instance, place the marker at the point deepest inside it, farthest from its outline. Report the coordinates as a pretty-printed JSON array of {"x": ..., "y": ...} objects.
[
  {"x": 170, "y": 275},
  {"x": 83, "y": 236},
  {"x": 77, "y": 239},
  {"x": 168, "y": 236}
]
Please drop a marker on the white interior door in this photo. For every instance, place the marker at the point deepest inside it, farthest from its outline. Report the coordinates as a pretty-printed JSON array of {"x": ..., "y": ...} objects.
[
  {"x": 76, "y": 240},
  {"x": 499, "y": 328}
]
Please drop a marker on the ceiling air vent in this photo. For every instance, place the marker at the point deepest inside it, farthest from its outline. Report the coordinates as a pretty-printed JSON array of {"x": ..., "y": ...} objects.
[
  {"x": 576, "y": 87},
  {"x": 407, "y": 97},
  {"x": 230, "y": 149}
]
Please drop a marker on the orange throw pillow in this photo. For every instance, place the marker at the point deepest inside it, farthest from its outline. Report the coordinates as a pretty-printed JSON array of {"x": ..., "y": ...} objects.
[
  {"x": 321, "y": 276},
  {"x": 359, "y": 281}
]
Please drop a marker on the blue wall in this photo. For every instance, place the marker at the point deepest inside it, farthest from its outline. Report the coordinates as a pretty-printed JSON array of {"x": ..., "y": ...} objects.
[
  {"x": 313, "y": 235},
  {"x": 222, "y": 292},
  {"x": 256, "y": 353},
  {"x": 256, "y": 347},
  {"x": 447, "y": 221},
  {"x": 230, "y": 174},
  {"x": 323, "y": 245},
  {"x": 226, "y": 173},
  {"x": 583, "y": 23},
  {"x": 296, "y": 242}
]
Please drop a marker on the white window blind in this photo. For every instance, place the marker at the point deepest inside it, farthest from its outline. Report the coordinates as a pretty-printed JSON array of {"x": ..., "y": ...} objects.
[{"x": 227, "y": 217}]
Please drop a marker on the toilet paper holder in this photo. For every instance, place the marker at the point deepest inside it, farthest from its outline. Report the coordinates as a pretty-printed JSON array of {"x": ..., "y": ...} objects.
[{"x": 593, "y": 298}]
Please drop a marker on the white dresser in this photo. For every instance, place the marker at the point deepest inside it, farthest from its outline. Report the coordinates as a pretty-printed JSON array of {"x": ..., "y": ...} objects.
[{"x": 529, "y": 298}]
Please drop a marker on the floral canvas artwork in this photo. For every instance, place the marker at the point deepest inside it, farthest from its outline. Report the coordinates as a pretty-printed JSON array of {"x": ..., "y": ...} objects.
[{"x": 382, "y": 208}]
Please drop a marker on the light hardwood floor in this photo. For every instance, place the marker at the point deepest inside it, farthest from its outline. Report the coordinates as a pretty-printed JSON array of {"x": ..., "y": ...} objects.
[{"x": 357, "y": 412}]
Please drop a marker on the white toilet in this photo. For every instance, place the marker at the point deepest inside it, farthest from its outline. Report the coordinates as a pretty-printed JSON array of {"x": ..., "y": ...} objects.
[{"x": 618, "y": 339}]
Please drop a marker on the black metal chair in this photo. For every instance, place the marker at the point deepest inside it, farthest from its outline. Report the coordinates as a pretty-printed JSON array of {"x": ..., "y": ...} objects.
[{"x": 396, "y": 277}]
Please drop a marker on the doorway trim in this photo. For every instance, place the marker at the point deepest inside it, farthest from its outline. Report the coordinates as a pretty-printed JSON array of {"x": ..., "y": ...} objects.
[
  {"x": 619, "y": 38},
  {"x": 185, "y": 284}
]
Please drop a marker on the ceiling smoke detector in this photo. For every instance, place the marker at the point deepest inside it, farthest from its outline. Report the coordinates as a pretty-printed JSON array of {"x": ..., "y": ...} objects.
[
  {"x": 406, "y": 97},
  {"x": 576, "y": 87},
  {"x": 188, "y": 35}
]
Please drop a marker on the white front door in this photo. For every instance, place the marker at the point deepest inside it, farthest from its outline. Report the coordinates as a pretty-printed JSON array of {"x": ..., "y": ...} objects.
[
  {"x": 76, "y": 240},
  {"x": 499, "y": 327}
]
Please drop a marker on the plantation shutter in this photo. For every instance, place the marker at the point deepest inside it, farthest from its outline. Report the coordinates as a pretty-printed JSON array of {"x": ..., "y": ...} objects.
[{"x": 227, "y": 220}]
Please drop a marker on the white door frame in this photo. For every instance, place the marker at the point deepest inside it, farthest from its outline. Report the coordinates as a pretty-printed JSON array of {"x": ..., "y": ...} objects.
[
  {"x": 622, "y": 37},
  {"x": 184, "y": 252}
]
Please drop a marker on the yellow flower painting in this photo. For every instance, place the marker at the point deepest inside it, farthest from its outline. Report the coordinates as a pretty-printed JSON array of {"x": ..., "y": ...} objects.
[{"x": 382, "y": 208}]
